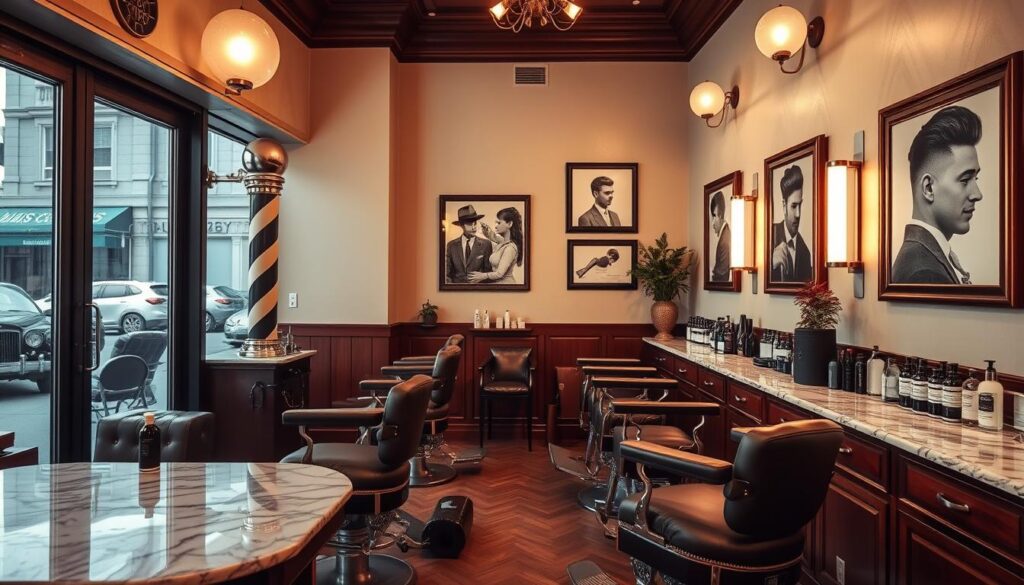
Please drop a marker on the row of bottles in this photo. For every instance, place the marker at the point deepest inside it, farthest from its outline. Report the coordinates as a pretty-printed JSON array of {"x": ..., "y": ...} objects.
[
  {"x": 483, "y": 321},
  {"x": 942, "y": 392}
]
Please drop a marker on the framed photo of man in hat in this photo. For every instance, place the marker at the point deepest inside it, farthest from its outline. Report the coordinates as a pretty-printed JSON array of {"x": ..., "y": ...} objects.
[{"x": 483, "y": 243}]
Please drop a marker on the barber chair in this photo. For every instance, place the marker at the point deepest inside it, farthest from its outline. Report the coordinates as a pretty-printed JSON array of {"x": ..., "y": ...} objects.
[
  {"x": 743, "y": 526},
  {"x": 456, "y": 339},
  {"x": 185, "y": 436},
  {"x": 380, "y": 479}
]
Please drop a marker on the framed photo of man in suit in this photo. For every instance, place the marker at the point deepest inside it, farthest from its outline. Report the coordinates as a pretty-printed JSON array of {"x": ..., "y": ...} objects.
[
  {"x": 718, "y": 233},
  {"x": 794, "y": 252},
  {"x": 484, "y": 243},
  {"x": 601, "y": 197},
  {"x": 950, "y": 201}
]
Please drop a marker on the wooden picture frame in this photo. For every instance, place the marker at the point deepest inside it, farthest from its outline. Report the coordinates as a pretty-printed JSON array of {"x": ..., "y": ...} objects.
[
  {"x": 806, "y": 163},
  {"x": 582, "y": 213},
  {"x": 603, "y": 271},
  {"x": 727, "y": 187},
  {"x": 980, "y": 261},
  {"x": 454, "y": 273}
]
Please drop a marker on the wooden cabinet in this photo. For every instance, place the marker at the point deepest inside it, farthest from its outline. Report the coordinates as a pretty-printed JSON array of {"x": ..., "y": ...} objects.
[
  {"x": 747, "y": 400},
  {"x": 714, "y": 431},
  {"x": 711, "y": 383},
  {"x": 687, "y": 372},
  {"x": 854, "y": 528},
  {"x": 735, "y": 419}
]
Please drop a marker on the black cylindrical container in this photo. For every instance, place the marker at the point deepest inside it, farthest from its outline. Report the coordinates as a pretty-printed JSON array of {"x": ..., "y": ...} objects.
[
  {"x": 149, "y": 444},
  {"x": 813, "y": 349}
]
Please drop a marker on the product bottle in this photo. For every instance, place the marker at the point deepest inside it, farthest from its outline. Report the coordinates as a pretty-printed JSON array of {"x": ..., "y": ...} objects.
[
  {"x": 919, "y": 388},
  {"x": 476, "y": 319},
  {"x": 782, "y": 347},
  {"x": 969, "y": 412},
  {"x": 752, "y": 344},
  {"x": 835, "y": 376},
  {"x": 487, "y": 319},
  {"x": 508, "y": 320},
  {"x": 730, "y": 338},
  {"x": 990, "y": 400},
  {"x": 876, "y": 373},
  {"x": 766, "y": 345},
  {"x": 860, "y": 374},
  {"x": 720, "y": 336},
  {"x": 935, "y": 390},
  {"x": 893, "y": 380},
  {"x": 952, "y": 394},
  {"x": 905, "y": 383},
  {"x": 849, "y": 373},
  {"x": 149, "y": 445}
]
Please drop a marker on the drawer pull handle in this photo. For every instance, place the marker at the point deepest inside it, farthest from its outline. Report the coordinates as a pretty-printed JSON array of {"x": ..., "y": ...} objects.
[
  {"x": 951, "y": 504},
  {"x": 682, "y": 371},
  {"x": 740, "y": 399},
  {"x": 660, "y": 359},
  {"x": 708, "y": 383},
  {"x": 781, "y": 420},
  {"x": 845, "y": 450}
]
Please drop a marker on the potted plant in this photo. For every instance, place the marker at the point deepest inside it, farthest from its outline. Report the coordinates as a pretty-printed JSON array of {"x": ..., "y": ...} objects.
[
  {"x": 428, "y": 314},
  {"x": 814, "y": 340},
  {"x": 663, "y": 273}
]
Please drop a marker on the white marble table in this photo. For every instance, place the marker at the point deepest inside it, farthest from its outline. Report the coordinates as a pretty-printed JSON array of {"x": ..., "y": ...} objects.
[{"x": 187, "y": 523}]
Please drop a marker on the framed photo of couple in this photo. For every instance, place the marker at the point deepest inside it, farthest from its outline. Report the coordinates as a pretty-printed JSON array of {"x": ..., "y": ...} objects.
[
  {"x": 484, "y": 243},
  {"x": 950, "y": 202}
]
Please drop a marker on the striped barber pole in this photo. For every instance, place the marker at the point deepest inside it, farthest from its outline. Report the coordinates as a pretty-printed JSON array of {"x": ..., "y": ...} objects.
[{"x": 263, "y": 253}]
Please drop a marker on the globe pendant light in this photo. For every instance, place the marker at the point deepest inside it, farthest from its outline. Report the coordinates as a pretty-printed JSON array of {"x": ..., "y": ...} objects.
[{"x": 241, "y": 50}]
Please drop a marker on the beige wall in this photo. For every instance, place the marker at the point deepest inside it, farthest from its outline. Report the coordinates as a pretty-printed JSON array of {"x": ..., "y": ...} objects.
[
  {"x": 874, "y": 54},
  {"x": 465, "y": 129},
  {"x": 175, "y": 45},
  {"x": 335, "y": 208}
]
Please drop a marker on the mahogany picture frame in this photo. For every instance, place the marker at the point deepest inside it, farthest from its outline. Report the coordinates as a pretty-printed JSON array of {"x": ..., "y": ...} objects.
[
  {"x": 485, "y": 206},
  {"x": 1004, "y": 74},
  {"x": 575, "y": 209},
  {"x": 572, "y": 283},
  {"x": 817, "y": 149},
  {"x": 730, "y": 185}
]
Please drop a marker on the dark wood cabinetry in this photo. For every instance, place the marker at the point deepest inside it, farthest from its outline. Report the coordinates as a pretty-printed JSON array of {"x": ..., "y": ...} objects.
[{"x": 854, "y": 523}]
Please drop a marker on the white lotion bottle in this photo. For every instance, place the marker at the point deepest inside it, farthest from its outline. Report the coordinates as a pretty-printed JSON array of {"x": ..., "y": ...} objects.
[
  {"x": 487, "y": 319},
  {"x": 476, "y": 319},
  {"x": 990, "y": 400}
]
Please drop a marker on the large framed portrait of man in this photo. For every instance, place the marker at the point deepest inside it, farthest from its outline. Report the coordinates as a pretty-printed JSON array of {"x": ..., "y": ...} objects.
[
  {"x": 950, "y": 207},
  {"x": 718, "y": 275},
  {"x": 794, "y": 251},
  {"x": 601, "y": 197},
  {"x": 484, "y": 243}
]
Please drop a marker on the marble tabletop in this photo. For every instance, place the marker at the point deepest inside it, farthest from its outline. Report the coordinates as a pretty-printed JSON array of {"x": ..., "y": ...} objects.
[
  {"x": 189, "y": 522},
  {"x": 996, "y": 459},
  {"x": 230, "y": 356}
]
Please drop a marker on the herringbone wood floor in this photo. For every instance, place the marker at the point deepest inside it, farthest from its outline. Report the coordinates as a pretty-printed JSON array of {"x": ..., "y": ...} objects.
[{"x": 527, "y": 526}]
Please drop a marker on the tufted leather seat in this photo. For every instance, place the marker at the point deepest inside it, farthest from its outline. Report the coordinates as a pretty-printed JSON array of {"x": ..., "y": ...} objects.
[
  {"x": 500, "y": 387},
  {"x": 185, "y": 436},
  {"x": 359, "y": 462}
]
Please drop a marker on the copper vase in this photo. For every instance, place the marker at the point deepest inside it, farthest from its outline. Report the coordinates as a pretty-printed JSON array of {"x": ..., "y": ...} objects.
[{"x": 664, "y": 315}]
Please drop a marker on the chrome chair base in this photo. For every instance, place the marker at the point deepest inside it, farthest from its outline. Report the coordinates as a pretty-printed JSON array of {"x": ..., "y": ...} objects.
[
  {"x": 364, "y": 570},
  {"x": 593, "y": 496},
  {"x": 423, "y": 474}
]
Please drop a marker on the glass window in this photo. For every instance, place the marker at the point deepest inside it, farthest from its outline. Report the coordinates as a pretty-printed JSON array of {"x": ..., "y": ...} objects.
[
  {"x": 46, "y": 140},
  {"x": 103, "y": 152}
]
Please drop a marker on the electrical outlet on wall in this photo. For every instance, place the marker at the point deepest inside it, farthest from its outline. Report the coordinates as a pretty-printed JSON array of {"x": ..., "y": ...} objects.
[
  {"x": 840, "y": 570},
  {"x": 293, "y": 300}
]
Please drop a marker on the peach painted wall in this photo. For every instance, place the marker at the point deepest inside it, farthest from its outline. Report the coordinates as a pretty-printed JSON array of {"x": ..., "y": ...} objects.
[
  {"x": 465, "y": 129},
  {"x": 175, "y": 45},
  {"x": 874, "y": 53}
]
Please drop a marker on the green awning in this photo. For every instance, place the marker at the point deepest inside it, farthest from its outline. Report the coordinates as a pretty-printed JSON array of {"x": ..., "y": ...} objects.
[{"x": 33, "y": 226}]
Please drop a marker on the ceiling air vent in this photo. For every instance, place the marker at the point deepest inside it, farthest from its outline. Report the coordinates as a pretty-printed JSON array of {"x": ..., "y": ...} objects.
[{"x": 531, "y": 74}]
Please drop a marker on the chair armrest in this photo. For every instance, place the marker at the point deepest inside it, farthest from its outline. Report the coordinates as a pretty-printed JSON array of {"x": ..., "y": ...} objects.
[
  {"x": 583, "y": 361},
  {"x": 333, "y": 417},
  {"x": 407, "y": 371},
  {"x": 706, "y": 469},
  {"x": 620, "y": 382},
  {"x": 620, "y": 371},
  {"x": 377, "y": 384},
  {"x": 417, "y": 358},
  {"x": 737, "y": 433},
  {"x": 625, "y": 406}
]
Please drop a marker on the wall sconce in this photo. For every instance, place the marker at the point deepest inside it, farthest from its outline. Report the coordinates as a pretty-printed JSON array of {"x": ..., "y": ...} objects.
[
  {"x": 707, "y": 100},
  {"x": 241, "y": 50},
  {"x": 843, "y": 185},
  {"x": 782, "y": 31},
  {"x": 742, "y": 213}
]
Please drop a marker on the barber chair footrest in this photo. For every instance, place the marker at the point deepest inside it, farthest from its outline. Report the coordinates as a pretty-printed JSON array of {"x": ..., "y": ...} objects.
[
  {"x": 588, "y": 573},
  {"x": 469, "y": 455},
  {"x": 385, "y": 570},
  {"x": 568, "y": 461},
  {"x": 592, "y": 496}
]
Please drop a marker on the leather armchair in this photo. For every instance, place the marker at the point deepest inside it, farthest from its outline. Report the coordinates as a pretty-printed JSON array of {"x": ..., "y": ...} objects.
[
  {"x": 379, "y": 475},
  {"x": 185, "y": 436},
  {"x": 507, "y": 374},
  {"x": 456, "y": 339}
]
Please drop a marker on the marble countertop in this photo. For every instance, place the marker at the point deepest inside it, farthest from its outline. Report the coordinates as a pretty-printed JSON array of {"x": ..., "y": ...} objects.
[
  {"x": 996, "y": 459},
  {"x": 230, "y": 356},
  {"x": 189, "y": 522}
]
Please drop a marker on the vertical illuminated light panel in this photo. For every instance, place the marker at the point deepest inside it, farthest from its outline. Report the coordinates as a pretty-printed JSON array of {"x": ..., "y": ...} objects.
[
  {"x": 741, "y": 218},
  {"x": 843, "y": 183}
]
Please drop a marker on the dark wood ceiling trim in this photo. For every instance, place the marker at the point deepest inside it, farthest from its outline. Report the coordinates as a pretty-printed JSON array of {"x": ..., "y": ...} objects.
[
  {"x": 696, "y": 21},
  {"x": 298, "y": 15}
]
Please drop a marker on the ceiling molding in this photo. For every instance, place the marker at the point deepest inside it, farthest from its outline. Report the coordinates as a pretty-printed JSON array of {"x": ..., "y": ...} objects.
[{"x": 670, "y": 30}]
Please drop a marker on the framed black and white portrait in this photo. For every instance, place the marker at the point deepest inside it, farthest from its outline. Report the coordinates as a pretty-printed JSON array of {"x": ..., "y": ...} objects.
[
  {"x": 484, "y": 243},
  {"x": 718, "y": 275},
  {"x": 795, "y": 217},
  {"x": 601, "y": 198},
  {"x": 949, "y": 200},
  {"x": 601, "y": 264}
]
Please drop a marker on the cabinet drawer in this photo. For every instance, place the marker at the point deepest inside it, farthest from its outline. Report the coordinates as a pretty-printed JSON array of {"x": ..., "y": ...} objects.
[
  {"x": 746, "y": 400},
  {"x": 687, "y": 371},
  {"x": 779, "y": 414},
  {"x": 735, "y": 419},
  {"x": 712, "y": 384},
  {"x": 963, "y": 507},
  {"x": 663, "y": 360},
  {"x": 864, "y": 460}
]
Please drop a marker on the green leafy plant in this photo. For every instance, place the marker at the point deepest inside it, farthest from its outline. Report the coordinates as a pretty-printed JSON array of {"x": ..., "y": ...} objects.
[
  {"x": 819, "y": 307},
  {"x": 663, "y": 272},
  {"x": 428, "y": 310}
]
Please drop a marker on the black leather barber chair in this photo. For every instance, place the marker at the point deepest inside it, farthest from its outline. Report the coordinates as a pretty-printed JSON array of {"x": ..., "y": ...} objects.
[
  {"x": 379, "y": 475},
  {"x": 743, "y": 526},
  {"x": 184, "y": 436},
  {"x": 506, "y": 375},
  {"x": 457, "y": 339}
]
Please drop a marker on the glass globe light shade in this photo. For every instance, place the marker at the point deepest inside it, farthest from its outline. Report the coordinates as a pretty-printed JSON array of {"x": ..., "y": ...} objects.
[
  {"x": 707, "y": 99},
  {"x": 241, "y": 49},
  {"x": 780, "y": 33}
]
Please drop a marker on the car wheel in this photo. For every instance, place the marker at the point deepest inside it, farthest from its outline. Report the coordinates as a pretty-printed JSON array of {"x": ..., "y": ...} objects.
[
  {"x": 132, "y": 322},
  {"x": 210, "y": 323},
  {"x": 45, "y": 385}
]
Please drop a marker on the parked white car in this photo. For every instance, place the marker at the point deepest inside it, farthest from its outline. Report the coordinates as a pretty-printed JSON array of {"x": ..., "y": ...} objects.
[{"x": 130, "y": 305}]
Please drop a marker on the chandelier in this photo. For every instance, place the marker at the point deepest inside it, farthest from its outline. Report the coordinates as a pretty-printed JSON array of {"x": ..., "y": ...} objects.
[{"x": 515, "y": 14}]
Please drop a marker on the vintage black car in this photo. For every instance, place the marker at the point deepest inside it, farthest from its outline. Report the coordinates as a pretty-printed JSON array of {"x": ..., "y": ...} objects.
[{"x": 24, "y": 338}]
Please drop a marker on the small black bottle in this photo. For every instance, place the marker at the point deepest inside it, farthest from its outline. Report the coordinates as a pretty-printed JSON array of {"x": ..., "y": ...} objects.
[
  {"x": 919, "y": 388},
  {"x": 149, "y": 445},
  {"x": 935, "y": 390},
  {"x": 952, "y": 394},
  {"x": 848, "y": 370},
  {"x": 860, "y": 374},
  {"x": 906, "y": 374}
]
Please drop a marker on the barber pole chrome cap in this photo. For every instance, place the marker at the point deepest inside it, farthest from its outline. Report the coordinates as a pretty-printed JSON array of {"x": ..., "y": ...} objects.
[{"x": 264, "y": 162}]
